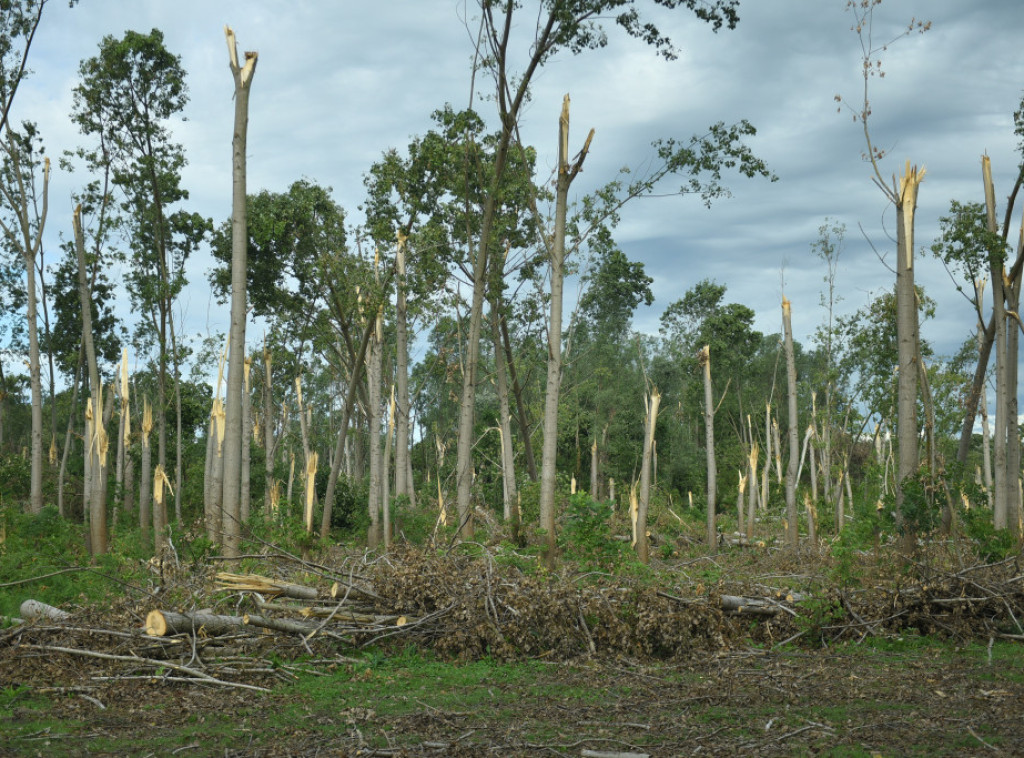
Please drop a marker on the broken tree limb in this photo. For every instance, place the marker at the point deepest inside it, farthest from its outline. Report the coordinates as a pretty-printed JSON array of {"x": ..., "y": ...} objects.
[
  {"x": 197, "y": 676},
  {"x": 265, "y": 586},
  {"x": 750, "y": 606}
]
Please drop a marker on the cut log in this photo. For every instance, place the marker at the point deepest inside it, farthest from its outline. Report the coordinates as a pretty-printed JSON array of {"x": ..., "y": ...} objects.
[
  {"x": 265, "y": 586},
  {"x": 33, "y": 609},
  {"x": 163, "y": 623},
  {"x": 749, "y": 606},
  {"x": 280, "y": 625}
]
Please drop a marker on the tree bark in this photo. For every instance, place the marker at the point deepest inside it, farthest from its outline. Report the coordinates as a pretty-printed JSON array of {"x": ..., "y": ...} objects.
[
  {"x": 239, "y": 250},
  {"x": 709, "y": 444},
  {"x": 245, "y": 493},
  {"x": 29, "y": 243},
  {"x": 556, "y": 254},
  {"x": 373, "y": 378},
  {"x": 96, "y": 507},
  {"x": 517, "y": 392},
  {"x": 642, "y": 543},
  {"x": 1001, "y": 496},
  {"x": 269, "y": 442},
  {"x": 510, "y": 495},
  {"x": 906, "y": 336},
  {"x": 403, "y": 484},
  {"x": 792, "y": 520},
  {"x": 146, "y": 473}
]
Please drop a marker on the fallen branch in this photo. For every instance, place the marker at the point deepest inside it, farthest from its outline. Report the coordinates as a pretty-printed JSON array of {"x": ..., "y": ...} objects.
[
  {"x": 265, "y": 586},
  {"x": 198, "y": 676}
]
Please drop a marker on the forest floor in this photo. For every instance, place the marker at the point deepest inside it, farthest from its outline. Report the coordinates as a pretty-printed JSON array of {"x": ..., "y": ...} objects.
[{"x": 923, "y": 660}]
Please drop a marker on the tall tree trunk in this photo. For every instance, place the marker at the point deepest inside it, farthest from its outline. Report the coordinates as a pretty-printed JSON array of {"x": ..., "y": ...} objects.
[
  {"x": 751, "y": 489},
  {"x": 792, "y": 521},
  {"x": 239, "y": 251},
  {"x": 517, "y": 392},
  {"x": 146, "y": 472},
  {"x": 510, "y": 495},
  {"x": 373, "y": 379},
  {"x": 403, "y": 484},
  {"x": 385, "y": 478},
  {"x": 77, "y": 381},
  {"x": 1001, "y": 480},
  {"x": 178, "y": 473},
  {"x": 36, "y": 458},
  {"x": 29, "y": 242},
  {"x": 643, "y": 508},
  {"x": 556, "y": 255},
  {"x": 97, "y": 507},
  {"x": 309, "y": 465},
  {"x": 269, "y": 442},
  {"x": 906, "y": 337},
  {"x": 709, "y": 444},
  {"x": 124, "y": 431},
  {"x": 245, "y": 493}
]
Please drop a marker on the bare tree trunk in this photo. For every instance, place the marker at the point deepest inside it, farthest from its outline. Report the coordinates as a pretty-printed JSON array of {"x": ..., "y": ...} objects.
[
  {"x": 269, "y": 442},
  {"x": 556, "y": 255},
  {"x": 709, "y": 445},
  {"x": 741, "y": 503},
  {"x": 239, "y": 250},
  {"x": 792, "y": 519},
  {"x": 373, "y": 376},
  {"x": 176, "y": 363},
  {"x": 906, "y": 334},
  {"x": 96, "y": 508},
  {"x": 67, "y": 437},
  {"x": 28, "y": 242},
  {"x": 245, "y": 493},
  {"x": 752, "y": 489},
  {"x": 403, "y": 483},
  {"x": 517, "y": 393},
  {"x": 215, "y": 512},
  {"x": 146, "y": 474},
  {"x": 642, "y": 543},
  {"x": 386, "y": 473},
  {"x": 508, "y": 474},
  {"x": 1001, "y": 502},
  {"x": 308, "y": 478},
  {"x": 124, "y": 432}
]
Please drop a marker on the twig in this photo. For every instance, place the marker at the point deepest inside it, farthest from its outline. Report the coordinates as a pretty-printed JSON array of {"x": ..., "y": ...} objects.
[
  {"x": 199, "y": 675},
  {"x": 974, "y": 734}
]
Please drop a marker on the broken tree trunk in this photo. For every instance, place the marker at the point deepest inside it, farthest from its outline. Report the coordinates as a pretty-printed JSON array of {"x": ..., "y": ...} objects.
[{"x": 792, "y": 525}]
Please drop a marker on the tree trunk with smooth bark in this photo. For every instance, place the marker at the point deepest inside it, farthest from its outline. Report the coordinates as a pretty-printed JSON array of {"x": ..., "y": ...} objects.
[
  {"x": 792, "y": 520},
  {"x": 556, "y": 254},
  {"x": 239, "y": 250}
]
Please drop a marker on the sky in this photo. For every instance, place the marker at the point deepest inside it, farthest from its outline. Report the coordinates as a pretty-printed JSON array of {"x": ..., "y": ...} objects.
[{"x": 340, "y": 82}]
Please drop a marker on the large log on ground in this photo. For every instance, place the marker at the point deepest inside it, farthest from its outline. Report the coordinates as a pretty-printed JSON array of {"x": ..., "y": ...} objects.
[
  {"x": 33, "y": 609},
  {"x": 163, "y": 623}
]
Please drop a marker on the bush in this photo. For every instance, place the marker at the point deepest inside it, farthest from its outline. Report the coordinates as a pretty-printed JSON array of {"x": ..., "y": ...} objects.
[{"x": 587, "y": 535}]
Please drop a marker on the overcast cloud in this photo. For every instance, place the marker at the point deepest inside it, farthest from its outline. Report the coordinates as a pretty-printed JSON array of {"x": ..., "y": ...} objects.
[{"x": 340, "y": 82}]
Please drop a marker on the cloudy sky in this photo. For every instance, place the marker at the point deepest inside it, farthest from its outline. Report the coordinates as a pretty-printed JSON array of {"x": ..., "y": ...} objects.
[{"x": 338, "y": 82}]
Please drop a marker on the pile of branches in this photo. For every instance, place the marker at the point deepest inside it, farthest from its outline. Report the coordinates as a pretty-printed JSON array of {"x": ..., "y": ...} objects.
[
  {"x": 238, "y": 628},
  {"x": 978, "y": 602}
]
